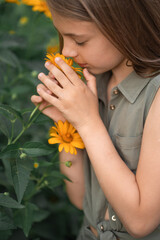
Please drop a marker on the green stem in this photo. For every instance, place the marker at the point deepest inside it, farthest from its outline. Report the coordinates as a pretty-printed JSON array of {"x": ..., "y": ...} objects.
[
  {"x": 40, "y": 182},
  {"x": 30, "y": 121},
  {"x": 20, "y": 134},
  {"x": 12, "y": 133},
  {"x": 33, "y": 112}
]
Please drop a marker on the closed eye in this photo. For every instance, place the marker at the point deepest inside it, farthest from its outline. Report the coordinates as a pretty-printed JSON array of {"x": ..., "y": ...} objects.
[{"x": 80, "y": 43}]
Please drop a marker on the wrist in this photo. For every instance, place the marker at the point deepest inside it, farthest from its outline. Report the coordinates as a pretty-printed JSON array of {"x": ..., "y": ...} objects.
[{"x": 88, "y": 129}]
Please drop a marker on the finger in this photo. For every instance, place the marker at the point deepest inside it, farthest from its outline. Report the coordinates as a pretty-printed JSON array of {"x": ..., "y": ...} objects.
[
  {"x": 48, "y": 98},
  {"x": 51, "y": 75},
  {"x": 36, "y": 99},
  {"x": 51, "y": 85},
  {"x": 91, "y": 81},
  {"x": 58, "y": 74},
  {"x": 69, "y": 72},
  {"x": 44, "y": 88},
  {"x": 64, "y": 77}
]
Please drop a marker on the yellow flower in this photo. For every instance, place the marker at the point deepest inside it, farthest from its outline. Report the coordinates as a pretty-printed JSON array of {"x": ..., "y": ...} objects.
[
  {"x": 67, "y": 137},
  {"x": 51, "y": 58},
  {"x": 36, "y": 165},
  {"x": 38, "y": 5},
  {"x": 13, "y": 1},
  {"x": 51, "y": 49},
  {"x": 12, "y": 32},
  {"x": 23, "y": 20}
]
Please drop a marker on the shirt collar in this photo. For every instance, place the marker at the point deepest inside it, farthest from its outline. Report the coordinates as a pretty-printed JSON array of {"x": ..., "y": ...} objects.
[{"x": 130, "y": 87}]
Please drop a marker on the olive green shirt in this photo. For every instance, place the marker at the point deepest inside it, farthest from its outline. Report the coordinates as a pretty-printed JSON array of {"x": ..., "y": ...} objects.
[{"x": 124, "y": 117}]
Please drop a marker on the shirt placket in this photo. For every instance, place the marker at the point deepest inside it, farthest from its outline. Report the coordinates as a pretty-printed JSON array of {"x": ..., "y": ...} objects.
[{"x": 112, "y": 105}]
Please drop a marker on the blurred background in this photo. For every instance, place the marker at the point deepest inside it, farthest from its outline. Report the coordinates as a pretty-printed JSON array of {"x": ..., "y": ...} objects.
[{"x": 33, "y": 200}]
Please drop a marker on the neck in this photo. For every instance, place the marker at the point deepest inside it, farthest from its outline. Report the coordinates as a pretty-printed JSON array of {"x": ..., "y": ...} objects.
[{"x": 121, "y": 72}]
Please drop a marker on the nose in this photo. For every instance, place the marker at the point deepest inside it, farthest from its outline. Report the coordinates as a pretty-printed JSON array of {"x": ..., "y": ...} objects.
[{"x": 69, "y": 49}]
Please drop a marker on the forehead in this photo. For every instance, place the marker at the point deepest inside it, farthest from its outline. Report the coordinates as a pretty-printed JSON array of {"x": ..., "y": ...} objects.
[{"x": 72, "y": 26}]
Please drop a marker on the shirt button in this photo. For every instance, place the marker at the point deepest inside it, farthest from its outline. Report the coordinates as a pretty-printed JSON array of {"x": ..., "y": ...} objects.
[
  {"x": 115, "y": 92},
  {"x": 102, "y": 228},
  {"x": 114, "y": 218},
  {"x": 112, "y": 107}
]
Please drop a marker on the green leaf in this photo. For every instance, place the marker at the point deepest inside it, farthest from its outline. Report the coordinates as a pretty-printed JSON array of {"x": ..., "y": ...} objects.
[
  {"x": 58, "y": 174},
  {"x": 36, "y": 149},
  {"x": 3, "y": 126},
  {"x": 30, "y": 190},
  {"x": 24, "y": 218},
  {"x": 14, "y": 113},
  {"x": 20, "y": 169},
  {"x": 8, "y": 57},
  {"x": 4, "y": 235},
  {"x": 6, "y": 221},
  {"x": 10, "y": 151},
  {"x": 53, "y": 183},
  {"x": 45, "y": 164},
  {"x": 10, "y": 41},
  {"x": 9, "y": 202},
  {"x": 7, "y": 177},
  {"x": 40, "y": 215}
]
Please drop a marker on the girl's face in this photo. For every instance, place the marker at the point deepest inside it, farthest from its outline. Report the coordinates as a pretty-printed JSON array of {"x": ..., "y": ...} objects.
[{"x": 87, "y": 45}]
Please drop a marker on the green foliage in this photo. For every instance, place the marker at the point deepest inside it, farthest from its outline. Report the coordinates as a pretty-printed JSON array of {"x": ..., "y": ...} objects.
[{"x": 33, "y": 201}]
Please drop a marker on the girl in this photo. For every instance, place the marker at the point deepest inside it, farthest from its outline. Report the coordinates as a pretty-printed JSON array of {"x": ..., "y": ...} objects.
[{"x": 116, "y": 180}]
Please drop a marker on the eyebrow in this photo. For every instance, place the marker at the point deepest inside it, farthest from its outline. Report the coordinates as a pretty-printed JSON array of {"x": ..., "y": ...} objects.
[{"x": 74, "y": 35}]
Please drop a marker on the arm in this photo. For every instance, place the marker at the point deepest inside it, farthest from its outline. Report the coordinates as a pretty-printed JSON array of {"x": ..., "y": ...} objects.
[
  {"x": 139, "y": 208},
  {"x": 75, "y": 173}
]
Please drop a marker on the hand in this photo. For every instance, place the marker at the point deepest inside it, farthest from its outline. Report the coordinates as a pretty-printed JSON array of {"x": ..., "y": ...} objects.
[
  {"x": 76, "y": 101},
  {"x": 50, "y": 111}
]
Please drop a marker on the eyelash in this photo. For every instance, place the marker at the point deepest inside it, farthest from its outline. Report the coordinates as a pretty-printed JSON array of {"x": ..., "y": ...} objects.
[{"x": 80, "y": 43}]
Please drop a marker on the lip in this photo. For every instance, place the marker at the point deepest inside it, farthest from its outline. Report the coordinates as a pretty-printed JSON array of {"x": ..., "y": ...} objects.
[{"x": 83, "y": 65}]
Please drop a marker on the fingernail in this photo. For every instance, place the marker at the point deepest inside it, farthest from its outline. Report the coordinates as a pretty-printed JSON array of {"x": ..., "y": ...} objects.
[
  {"x": 40, "y": 74},
  {"x": 57, "y": 59},
  {"x": 38, "y": 89},
  {"x": 47, "y": 64}
]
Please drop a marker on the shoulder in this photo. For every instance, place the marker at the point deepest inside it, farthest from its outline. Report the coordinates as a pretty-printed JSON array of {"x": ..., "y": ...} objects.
[
  {"x": 151, "y": 92},
  {"x": 154, "y": 82},
  {"x": 153, "y": 106}
]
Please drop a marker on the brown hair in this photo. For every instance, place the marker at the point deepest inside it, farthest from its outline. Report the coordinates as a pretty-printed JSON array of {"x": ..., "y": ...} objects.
[{"x": 133, "y": 26}]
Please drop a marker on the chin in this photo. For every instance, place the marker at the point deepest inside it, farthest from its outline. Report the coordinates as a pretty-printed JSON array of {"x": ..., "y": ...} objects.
[{"x": 96, "y": 71}]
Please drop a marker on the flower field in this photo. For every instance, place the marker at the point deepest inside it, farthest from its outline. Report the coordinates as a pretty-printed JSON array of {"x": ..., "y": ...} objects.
[{"x": 33, "y": 201}]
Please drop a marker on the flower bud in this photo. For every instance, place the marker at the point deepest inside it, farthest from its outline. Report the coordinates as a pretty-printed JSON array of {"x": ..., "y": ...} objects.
[
  {"x": 68, "y": 164},
  {"x": 6, "y": 193},
  {"x": 23, "y": 155}
]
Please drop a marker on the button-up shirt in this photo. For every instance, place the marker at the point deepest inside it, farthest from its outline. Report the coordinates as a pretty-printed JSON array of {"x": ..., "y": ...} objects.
[{"x": 124, "y": 117}]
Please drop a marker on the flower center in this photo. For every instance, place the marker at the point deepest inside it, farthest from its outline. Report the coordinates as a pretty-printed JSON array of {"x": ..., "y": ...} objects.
[{"x": 67, "y": 138}]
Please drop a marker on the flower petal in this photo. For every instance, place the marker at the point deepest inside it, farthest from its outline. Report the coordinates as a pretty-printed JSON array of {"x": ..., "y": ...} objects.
[
  {"x": 76, "y": 136},
  {"x": 78, "y": 144},
  {"x": 54, "y": 140},
  {"x": 53, "y": 130},
  {"x": 71, "y": 129},
  {"x": 71, "y": 149},
  {"x": 75, "y": 151},
  {"x": 66, "y": 147},
  {"x": 65, "y": 127},
  {"x": 54, "y": 135},
  {"x": 60, "y": 148},
  {"x": 60, "y": 127}
]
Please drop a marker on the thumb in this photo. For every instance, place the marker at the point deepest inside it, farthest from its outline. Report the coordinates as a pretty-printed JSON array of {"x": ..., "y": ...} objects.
[{"x": 91, "y": 81}]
